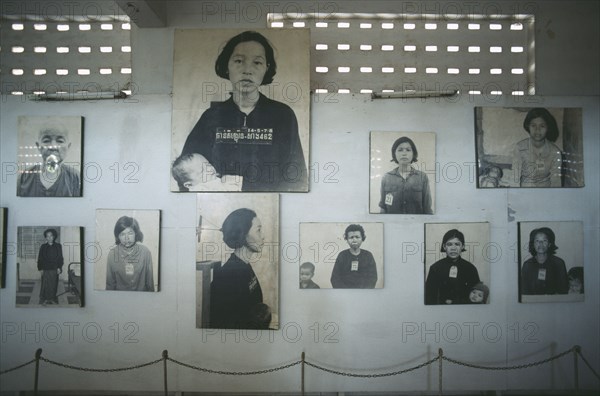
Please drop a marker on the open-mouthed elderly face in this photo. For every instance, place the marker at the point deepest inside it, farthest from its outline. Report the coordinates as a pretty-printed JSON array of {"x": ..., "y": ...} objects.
[{"x": 53, "y": 141}]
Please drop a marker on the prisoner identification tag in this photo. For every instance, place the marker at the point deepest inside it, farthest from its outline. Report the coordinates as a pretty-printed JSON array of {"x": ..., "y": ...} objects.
[
  {"x": 540, "y": 166},
  {"x": 542, "y": 274},
  {"x": 244, "y": 135},
  {"x": 354, "y": 266},
  {"x": 129, "y": 269},
  {"x": 389, "y": 199},
  {"x": 453, "y": 272}
]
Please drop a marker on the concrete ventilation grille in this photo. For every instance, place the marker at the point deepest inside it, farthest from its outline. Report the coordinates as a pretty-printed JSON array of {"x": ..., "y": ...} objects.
[
  {"x": 64, "y": 57},
  {"x": 369, "y": 53}
]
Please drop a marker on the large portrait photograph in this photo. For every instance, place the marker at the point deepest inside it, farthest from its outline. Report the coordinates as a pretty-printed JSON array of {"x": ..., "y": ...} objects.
[
  {"x": 341, "y": 256},
  {"x": 241, "y": 106},
  {"x": 127, "y": 250},
  {"x": 3, "y": 228},
  {"x": 237, "y": 261},
  {"x": 551, "y": 261},
  {"x": 49, "y": 156},
  {"x": 529, "y": 147},
  {"x": 457, "y": 263},
  {"x": 402, "y": 177},
  {"x": 49, "y": 266}
]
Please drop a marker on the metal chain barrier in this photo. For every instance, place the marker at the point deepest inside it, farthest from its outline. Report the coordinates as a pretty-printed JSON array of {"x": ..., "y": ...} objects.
[
  {"x": 68, "y": 366},
  {"x": 371, "y": 375},
  {"x": 308, "y": 363},
  {"x": 17, "y": 367},
  {"x": 521, "y": 366},
  {"x": 205, "y": 370},
  {"x": 576, "y": 350},
  {"x": 440, "y": 377}
]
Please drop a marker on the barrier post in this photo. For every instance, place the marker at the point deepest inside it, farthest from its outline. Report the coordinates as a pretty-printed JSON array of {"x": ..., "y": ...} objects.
[
  {"x": 576, "y": 350},
  {"x": 302, "y": 375},
  {"x": 165, "y": 355},
  {"x": 440, "y": 359},
  {"x": 38, "y": 354}
]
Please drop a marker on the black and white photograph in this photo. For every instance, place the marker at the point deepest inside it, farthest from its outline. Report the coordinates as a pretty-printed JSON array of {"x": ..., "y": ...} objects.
[
  {"x": 551, "y": 261},
  {"x": 49, "y": 156},
  {"x": 128, "y": 250},
  {"x": 237, "y": 261},
  {"x": 341, "y": 256},
  {"x": 49, "y": 266},
  {"x": 3, "y": 229},
  {"x": 241, "y": 104},
  {"x": 529, "y": 147},
  {"x": 457, "y": 263},
  {"x": 402, "y": 173}
]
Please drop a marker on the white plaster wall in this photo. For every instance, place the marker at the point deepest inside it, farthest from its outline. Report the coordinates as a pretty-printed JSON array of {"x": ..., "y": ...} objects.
[{"x": 388, "y": 329}]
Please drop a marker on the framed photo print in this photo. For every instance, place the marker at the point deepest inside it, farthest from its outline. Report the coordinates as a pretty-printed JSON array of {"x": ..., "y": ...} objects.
[
  {"x": 237, "y": 261},
  {"x": 457, "y": 263},
  {"x": 240, "y": 110},
  {"x": 341, "y": 256},
  {"x": 3, "y": 227},
  {"x": 551, "y": 261},
  {"x": 128, "y": 243},
  {"x": 402, "y": 173},
  {"x": 49, "y": 156},
  {"x": 49, "y": 266},
  {"x": 529, "y": 147}
]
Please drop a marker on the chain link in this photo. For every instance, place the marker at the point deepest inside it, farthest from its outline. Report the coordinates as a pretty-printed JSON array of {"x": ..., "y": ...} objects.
[
  {"x": 372, "y": 375},
  {"x": 17, "y": 367},
  {"x": 101, "y": 370},
  {"x": 521, "y": 366},
  {"x": 235, "y": 372},
  {"x": 316, "y": 366},
  {"x": 588, "y": 364}
]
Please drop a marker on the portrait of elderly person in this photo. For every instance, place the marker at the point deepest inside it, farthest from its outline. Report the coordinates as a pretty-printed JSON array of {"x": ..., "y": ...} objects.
[{"x": 51, "y": 176}]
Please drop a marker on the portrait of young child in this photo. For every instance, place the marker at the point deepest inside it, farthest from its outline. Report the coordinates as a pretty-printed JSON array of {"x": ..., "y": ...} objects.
[{"x": 307, "y": 272}]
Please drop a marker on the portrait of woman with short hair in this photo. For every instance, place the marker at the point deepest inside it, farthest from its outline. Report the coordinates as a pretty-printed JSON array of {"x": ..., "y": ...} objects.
[
  {"x": 127, "y": 250},
  {"x": 237, "y": 261},
  {"x": 551, "y": 261},
  {"x": 236, "y": 111}
]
